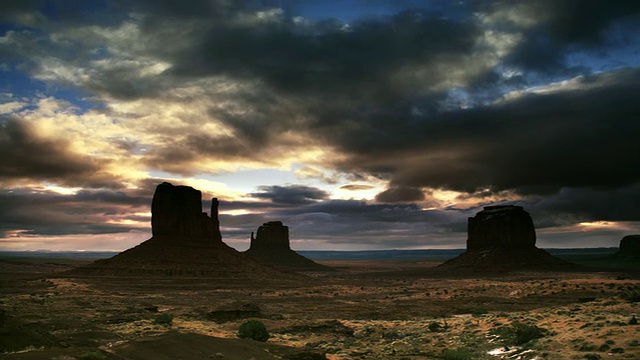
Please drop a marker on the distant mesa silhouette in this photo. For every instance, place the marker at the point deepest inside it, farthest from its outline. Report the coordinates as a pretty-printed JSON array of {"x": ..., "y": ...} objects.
[
  {"x": 503, "y": 237},
  {"x": 271, "y": 246},
  {"x": 185, "y": 242},
  {"x": 629, "y": 247}
]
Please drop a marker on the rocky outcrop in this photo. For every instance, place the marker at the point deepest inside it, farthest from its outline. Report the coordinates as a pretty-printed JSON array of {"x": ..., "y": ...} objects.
[
  {"x": 176, "y": 212},
  {"x": 629, "y": 247},
  {"x": 501, "y": 226},
  {"x": 273, "y": 235},
  {"x": 503, "y": 237},
  {"x": 271, "y": 246},
  {"x": 185, "y": 242}
]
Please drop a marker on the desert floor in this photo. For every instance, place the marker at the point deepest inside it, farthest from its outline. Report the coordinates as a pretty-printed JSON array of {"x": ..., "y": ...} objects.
[{"x": 364, "y": 310}]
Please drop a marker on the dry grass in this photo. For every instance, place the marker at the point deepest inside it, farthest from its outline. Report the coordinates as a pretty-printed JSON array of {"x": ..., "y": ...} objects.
[{"x": 379, "y": 315}]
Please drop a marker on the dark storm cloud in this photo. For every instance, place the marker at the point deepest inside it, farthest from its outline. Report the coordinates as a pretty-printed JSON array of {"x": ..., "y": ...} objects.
[
  {"x": 585, "y": 21},
  {"x": 373, "y": 91},
  {"x": 562, "y": 23},
  {"x": 10, "y": 8},
  {"x": 291, "y": 194},
  {"x": 383, "y": 123},
  {"x": 186, "y": 9},
  {"x": 355, "y": 224},
  {"x": 26, "y": 154},
  {"x": 570, "y": 206},
  {"x": 333, "y": 61},
  {"x": 49, "y": 213},
  {"x": 539, "y": 143},
  {"x": 361, "y": 210},
  {"x": 400, "y": 194}
]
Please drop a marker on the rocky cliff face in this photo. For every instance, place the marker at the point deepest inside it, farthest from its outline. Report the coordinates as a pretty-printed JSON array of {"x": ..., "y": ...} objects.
[
  {"x": 630, "y": 247},
  {"x": 271, "y": 246},
  {"x": 272, "y": 235},
  {"x": 503, "y": 238},
  {"x": 176, "y": 211},
  {"x": 505, "y": 226}
]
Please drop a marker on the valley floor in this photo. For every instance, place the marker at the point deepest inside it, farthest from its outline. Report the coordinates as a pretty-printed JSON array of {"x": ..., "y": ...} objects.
[{"x": 364, "y": 310}]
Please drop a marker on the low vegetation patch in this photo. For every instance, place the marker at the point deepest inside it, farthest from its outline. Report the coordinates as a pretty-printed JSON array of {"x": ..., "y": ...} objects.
[
  {"x": 457, "y": 354},
  {"x": 254, "y": 330},
  {"x": 437, "y": 327},
  {"x": 164, "y": 320},
  {"x": 631, "y": 296},
  {"x": 518, "y": 333}
]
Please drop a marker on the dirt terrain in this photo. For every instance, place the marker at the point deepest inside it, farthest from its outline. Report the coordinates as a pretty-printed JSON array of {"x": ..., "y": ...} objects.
[{"x": 364, "y": 310}]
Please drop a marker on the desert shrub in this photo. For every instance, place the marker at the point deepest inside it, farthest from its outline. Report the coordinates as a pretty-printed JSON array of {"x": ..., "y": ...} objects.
[
  {"x": 592, "y": 357},
  {"x": 436, "y": 327},
  {"x": 151, "y": 308},
  {"x": 457, "y": 354},
  {"x": 164, "y": 320},
  {"x": 587, "y": 347},
  {"x": 391, "y": 335},
  {"x": 631, "y": 296},
  {"x": 633, "y": 321},
  {"x": 525, "y": 333},
  {"x": 253, "y": 329},
  {"x": 92, "y": 355},
  {"x": 477, "y": 311},
  {"x": 519, "y": 333}
]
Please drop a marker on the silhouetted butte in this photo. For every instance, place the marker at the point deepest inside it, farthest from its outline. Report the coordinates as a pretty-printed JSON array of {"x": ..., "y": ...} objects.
[
  {"x": 629, "y": 247},
  {"x": 271, "y": 246},
  {"x": 503, "y": 237},
  {"x": 185, "y": 241}
]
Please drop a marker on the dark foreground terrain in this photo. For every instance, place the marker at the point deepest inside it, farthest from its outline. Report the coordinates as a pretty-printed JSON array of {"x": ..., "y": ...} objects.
[{"x": 368, "y": 309}]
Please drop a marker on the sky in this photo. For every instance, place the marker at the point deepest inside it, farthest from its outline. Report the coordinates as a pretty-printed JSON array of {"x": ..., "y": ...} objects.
[{"x": 361, "y": 124}]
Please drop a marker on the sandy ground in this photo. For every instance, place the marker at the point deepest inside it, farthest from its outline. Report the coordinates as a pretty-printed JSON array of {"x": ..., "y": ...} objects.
[{"x": 365, "y": 310}]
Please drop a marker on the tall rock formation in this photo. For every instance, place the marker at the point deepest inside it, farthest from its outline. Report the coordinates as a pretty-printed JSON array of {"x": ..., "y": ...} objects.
[
  {"x": 271, "y": 246},
  {"x": 176, "y": 212},
  {"x": 503, "y": 237},
  {"x": 185, "y": 242},
  {"x": 629, "y": 247},
  {"x": 505, "y": 226}
]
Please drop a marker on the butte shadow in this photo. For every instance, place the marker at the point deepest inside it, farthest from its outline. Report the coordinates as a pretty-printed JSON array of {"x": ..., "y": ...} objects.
[
  {"x": 271, "y": 246},
  {"x": 186, "y": 242}
]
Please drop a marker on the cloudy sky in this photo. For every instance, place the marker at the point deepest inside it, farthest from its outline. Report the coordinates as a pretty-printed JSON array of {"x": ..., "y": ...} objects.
[{"x": 361, "y": 124}]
